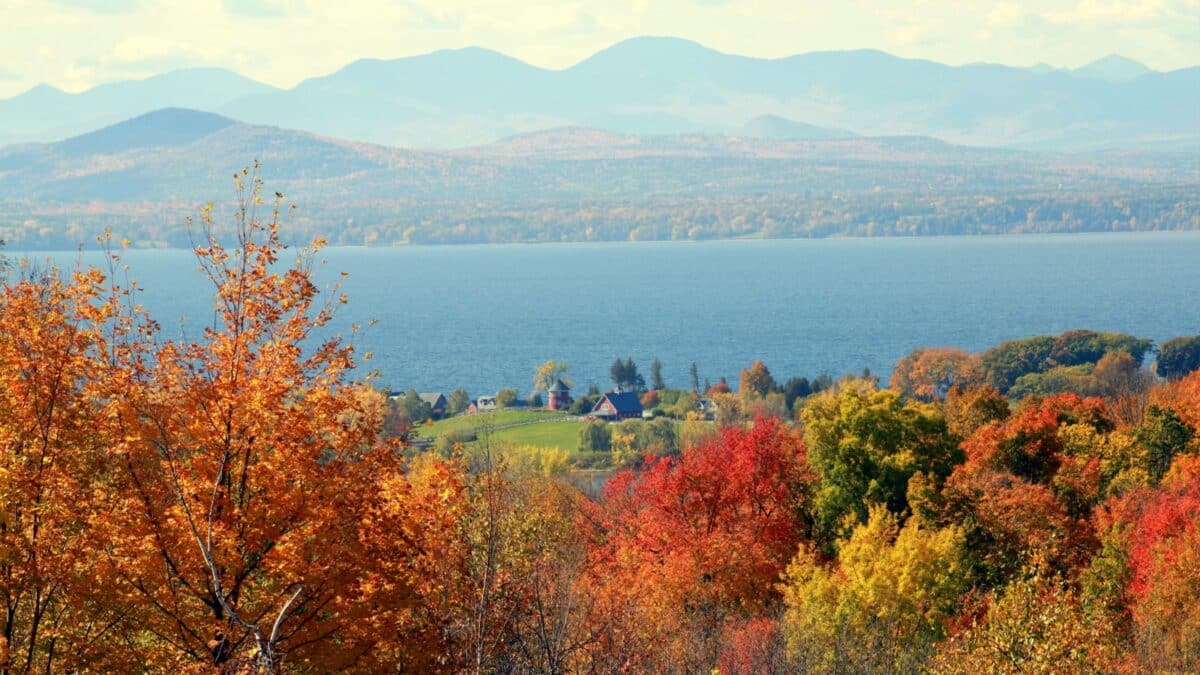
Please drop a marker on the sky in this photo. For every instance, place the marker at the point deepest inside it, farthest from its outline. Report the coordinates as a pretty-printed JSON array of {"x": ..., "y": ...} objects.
[{"x": 76, "y": 44}]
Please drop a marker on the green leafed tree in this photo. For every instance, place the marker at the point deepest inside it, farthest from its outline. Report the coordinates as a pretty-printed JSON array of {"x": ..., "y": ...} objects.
[
  {"x": 506, "y": 397},
  {"x": 1162, "y": 434},
  {"x": 457, "y": 401},
  {"x": 865, "y": 444},
  {"x": 595, "y": 437},
  {"x": 1178, "y": 357},
  {"x": 413, "y": 408},
  {"x": 656, "y": 376}
]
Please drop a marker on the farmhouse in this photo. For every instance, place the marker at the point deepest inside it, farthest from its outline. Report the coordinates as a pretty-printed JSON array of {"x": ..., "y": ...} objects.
[
  {"x": 436, "y": 401},
  {"x": 618, "y": 405},
  {"x": 488, "y": 404},
  {"x": 482, "y": 404}
]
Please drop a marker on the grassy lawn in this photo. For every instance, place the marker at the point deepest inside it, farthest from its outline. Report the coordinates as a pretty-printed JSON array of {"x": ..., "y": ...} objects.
[
  {"x": 498, "y": 418},
  {"x": 538, "y": 428},
  {"x": 562, "y": 434}
]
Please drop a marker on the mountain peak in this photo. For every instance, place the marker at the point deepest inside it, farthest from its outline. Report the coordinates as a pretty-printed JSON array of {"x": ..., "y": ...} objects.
[
  {"x": 1112, "y": 68},
  {"x": 647, "y": 50},
  {"x": 782, "y": 128},
  {"x": 42, "y": 90},
  {"x": 166, "y": 127}
]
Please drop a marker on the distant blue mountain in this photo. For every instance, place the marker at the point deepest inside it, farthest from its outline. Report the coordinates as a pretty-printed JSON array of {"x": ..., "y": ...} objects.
[
  {"x": 166, "y": 128},
  {"x": 655, "y": 85},
  {"x": 1113, "y": 68},
  {"x": 774, "y": 126},
  {"x": 48, "y": 114}
]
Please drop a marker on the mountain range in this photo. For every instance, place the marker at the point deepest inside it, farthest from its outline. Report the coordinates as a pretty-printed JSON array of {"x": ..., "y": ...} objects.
[{"x": 656, "y": 86}]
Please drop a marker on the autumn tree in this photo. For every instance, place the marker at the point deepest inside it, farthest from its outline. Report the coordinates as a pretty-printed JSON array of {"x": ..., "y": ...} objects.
[
  {"x": 248, "y": 464},
  {"x": 1160, "y": 534},
  {"x": 690, "y": 541},
  {"x": 883, "y": 605},
  {"x": 1028, "y": 486},
  {"x": 545, "y": 375},
  {"x": 865, "y": 445},
  {"x": 930, "y": 374},
  {"x": 755, "y": 381},
  {"x": 1182, "y": 396},
  {"x": 517, "y": 601},
  {"x": 411, "y": 571},
  {"x": 60, "y": 345},
  {"x": 967, "y": 410},
  {"x": 721, "y": 387},
  {"x": 1036, "y": 624}
]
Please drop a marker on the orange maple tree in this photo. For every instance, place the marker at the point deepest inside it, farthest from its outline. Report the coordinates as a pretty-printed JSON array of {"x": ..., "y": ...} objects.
[{"x": 251, "y": 487}]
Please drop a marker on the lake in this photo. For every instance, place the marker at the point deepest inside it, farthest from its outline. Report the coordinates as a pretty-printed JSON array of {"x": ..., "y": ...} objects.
[{"x": 482, "y": 317}]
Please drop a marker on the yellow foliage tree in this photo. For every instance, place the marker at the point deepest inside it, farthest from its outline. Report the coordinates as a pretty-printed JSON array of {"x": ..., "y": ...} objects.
[
  {"x": 883, "y": 605},
  {"x": 1036, "y": 625}
]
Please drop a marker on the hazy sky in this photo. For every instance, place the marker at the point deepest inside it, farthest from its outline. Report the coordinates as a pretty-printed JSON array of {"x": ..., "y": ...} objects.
[{"x": 74, "y": 44}]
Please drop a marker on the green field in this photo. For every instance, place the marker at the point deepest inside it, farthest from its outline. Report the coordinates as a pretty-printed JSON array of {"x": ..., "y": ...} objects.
[
  {"x": 543, "y": 428},
  {"x": 562, "y": 434},
  {"x": 499, "y": 418},
  {"x": 538, "y": 428}
]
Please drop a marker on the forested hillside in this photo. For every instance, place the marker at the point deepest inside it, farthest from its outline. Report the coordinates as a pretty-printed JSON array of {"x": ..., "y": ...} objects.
[{"x": 141, "y": 177}]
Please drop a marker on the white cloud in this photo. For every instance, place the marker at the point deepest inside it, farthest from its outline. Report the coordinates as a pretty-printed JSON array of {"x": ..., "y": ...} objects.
[
  {"x": 285, "y": 41},
  {"x": 103, "y": 6},
  {"x": 263, "y": 9},
  {"x": 1110, "y": 12},
  {"x": 1005, "y": 15}
]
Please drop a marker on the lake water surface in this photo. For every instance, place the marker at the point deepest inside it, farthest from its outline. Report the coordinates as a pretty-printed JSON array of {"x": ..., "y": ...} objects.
[{"x": 483, "y": 317}]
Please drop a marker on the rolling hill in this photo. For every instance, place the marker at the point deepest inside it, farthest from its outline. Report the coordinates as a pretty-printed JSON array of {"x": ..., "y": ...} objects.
[{"x": 143, "y": 176}]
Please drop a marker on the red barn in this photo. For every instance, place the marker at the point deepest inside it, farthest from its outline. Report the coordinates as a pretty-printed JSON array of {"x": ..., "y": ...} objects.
[{"x": 618, "y": 405}]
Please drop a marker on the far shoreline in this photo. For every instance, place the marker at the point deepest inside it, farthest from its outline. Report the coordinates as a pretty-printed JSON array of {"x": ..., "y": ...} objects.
[{"x": 973, "y": 236}]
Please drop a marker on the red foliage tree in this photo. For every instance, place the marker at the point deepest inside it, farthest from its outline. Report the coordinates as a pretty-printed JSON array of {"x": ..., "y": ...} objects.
[
  {"x": 719, "y": 388},
  {"x": 650, "y": 399},
  {"x": 1025, "y": 499},
  {"x": 1182, "y": 396},
  {"x": 1027, "y": 443},
  {"x": 1161, "y": 530},
  {"x": 692, "y": 540}
]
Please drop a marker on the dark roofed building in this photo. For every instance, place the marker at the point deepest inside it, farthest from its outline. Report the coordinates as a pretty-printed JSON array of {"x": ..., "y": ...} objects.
[
  {"x": 436, "y": 401},
  {"x": 618, "y": 405}
]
